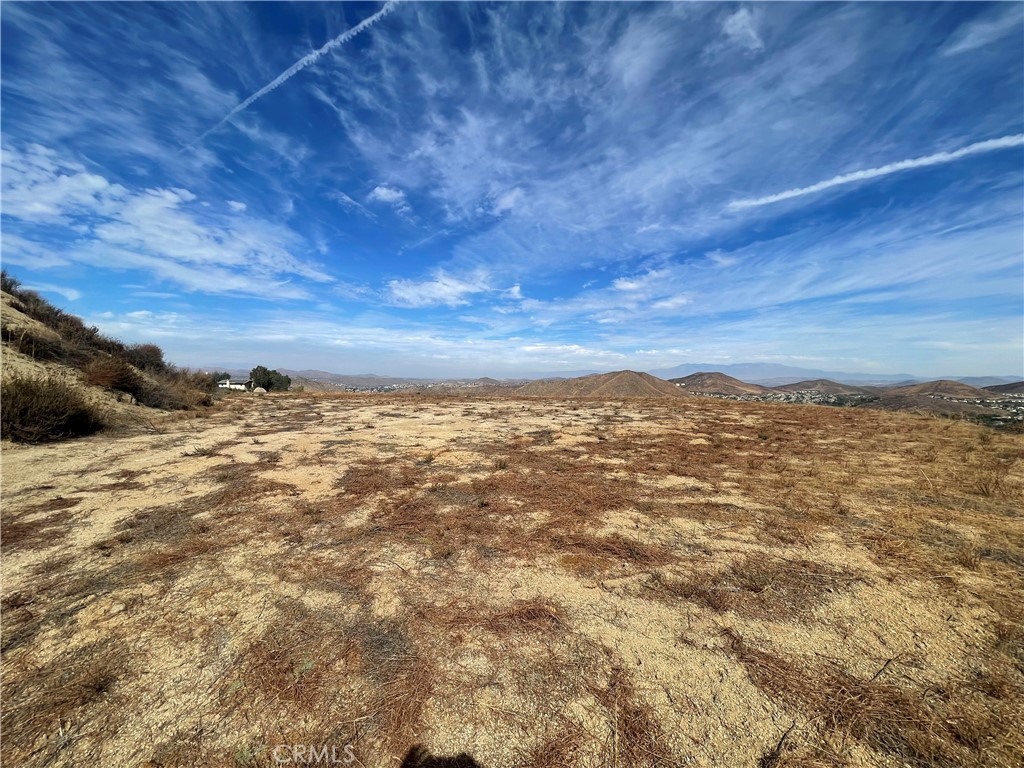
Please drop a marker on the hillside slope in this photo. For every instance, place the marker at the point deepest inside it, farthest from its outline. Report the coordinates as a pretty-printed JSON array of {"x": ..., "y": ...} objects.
[
  {"x": 942, "y": 387},
  {"x": 826, "y": 386},
  {"x": 1017, "y": 388},
  {"x": 718, "y": 384},
  {"x": 62, "y": 378},
  {"x": 615, "y": 384}
]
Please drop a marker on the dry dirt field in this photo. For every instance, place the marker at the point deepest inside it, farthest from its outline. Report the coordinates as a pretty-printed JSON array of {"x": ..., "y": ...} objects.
[{"x": 531, "y": 582}]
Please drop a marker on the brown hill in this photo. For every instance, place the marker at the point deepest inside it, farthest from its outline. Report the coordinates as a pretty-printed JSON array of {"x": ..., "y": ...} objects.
[
  {"x": 718, "y": 384},
  {"x": 615, "y": 384},
  {"x": 826, "y": 386},
  {"x": 923, "y": 404},
  {"x": 1017, "y": 388},
  {"x": 942, "y": 387}
]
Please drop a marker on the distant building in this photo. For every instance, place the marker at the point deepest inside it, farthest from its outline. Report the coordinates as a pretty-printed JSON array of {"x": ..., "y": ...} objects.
[{"x": 243, "y": 385}]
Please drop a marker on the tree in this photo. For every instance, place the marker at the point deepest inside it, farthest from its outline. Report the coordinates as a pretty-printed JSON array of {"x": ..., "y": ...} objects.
[{"x": 269, "y": 380}]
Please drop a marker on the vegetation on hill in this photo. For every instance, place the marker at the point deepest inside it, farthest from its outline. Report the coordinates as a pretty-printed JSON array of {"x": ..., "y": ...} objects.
[{"x": 38, "y": 408}]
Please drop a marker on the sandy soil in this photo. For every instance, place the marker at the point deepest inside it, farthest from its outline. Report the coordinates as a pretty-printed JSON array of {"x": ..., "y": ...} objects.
[{"x": 531, "y": 582}]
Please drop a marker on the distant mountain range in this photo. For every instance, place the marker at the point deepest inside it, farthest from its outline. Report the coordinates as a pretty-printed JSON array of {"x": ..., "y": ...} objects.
[
  {"x": 774, "y": 375},
  {"x": 764, "y": 374}
]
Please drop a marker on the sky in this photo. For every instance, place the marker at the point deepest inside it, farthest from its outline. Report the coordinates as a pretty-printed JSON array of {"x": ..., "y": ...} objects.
[{"x": 468, "y": 189}]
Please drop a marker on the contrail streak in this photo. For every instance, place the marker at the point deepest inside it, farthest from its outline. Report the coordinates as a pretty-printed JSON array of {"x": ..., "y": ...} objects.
[
  {"x": 301, "y": 64},
  {"x": 1006, "y": 142}
]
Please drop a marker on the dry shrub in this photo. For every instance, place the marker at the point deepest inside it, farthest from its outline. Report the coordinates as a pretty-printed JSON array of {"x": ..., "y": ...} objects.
[
  {"x": 38, "y": 410},
  {"x": 34, "y": 345},
  {"x": 115, "y": 374}
]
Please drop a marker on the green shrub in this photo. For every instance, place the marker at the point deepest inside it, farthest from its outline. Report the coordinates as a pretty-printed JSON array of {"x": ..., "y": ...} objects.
[{"x": 39, "y": 410}]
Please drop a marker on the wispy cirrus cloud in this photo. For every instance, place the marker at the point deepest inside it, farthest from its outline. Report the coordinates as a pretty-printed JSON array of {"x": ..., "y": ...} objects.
[
  {"x": 987, "y": 29},
  {"x": 560, "y": 174},
  {"x": 939, "y": 158},
  {"x": 301, "y": 64},
  {"x": 739, "y": 27}
]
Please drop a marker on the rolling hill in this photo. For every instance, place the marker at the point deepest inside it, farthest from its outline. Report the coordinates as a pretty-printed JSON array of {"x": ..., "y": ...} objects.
[
  {"x": 615, "y": 384},
  {"x": 718, "y": 384},
  {"x": 823, "y": 385},
  {"x": 945, "y": 387},
  {"x": 1016, "y": 388}
]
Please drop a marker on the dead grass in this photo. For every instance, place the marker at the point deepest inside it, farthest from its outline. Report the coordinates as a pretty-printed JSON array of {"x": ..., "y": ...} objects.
[
  {"x": 50, "y": 707},
  {"x": 760, "y": 586},
  {"x": 945, "y": 726},
  {"x": 637, "y": 738},
  {"x": 511, "y": 581}
]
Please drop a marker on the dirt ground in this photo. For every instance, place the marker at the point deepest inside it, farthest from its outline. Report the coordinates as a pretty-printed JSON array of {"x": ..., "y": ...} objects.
[{"x": 529, "y": 582}]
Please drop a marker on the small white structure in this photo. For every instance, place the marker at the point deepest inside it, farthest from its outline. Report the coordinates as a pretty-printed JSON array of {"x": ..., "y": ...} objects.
[{"x": 242, "y": 385}]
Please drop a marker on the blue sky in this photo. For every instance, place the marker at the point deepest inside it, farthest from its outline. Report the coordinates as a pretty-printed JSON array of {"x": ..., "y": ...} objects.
[{"x": 490, "y": 189}]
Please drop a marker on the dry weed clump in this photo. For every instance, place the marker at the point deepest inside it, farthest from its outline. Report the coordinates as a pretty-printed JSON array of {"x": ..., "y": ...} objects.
[
  {"x": 36, "y": 346},
  {"x": 44, "y": 409}
]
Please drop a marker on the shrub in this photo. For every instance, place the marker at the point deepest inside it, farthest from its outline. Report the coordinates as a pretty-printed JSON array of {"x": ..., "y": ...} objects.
[
  {"x": 8, "y": 284},
  {"x": 36, "y": 347},
  {"x": 112, "y": 373},
  {"x": 146, "y": 357},
  {"x": 38, "y": 410}
]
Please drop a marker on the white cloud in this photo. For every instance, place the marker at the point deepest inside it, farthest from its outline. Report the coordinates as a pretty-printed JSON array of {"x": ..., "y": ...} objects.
[
  {"x": 721, "y": 258},
  {"x": 237, "y": 206},
  {"x": 71, "y": 294},
  {"x": 939, "y": 158},
  {"x": 162, "y": 230},
  {"x": 508, "y": 201},
  {"x": 673, "y": 302},
  {"x": 740, "y": 29},
  {"x": 340, "y": 197},
  {"x": 441, "y": 289},
  {"x": 985, "y": 30},
  {"x": 393, "y": 196},
  {"x": 386, "y": 194},
  {"x": 650, "y": 279}
]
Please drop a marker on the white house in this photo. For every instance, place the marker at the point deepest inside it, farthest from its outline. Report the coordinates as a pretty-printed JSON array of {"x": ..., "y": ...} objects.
[{"x": 241, "y": 384}]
